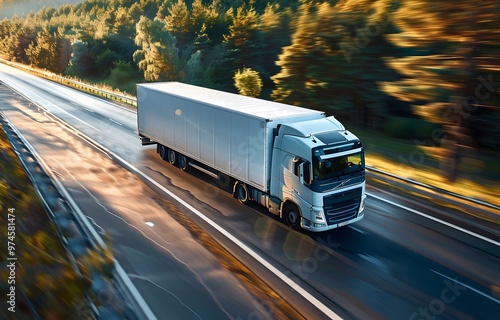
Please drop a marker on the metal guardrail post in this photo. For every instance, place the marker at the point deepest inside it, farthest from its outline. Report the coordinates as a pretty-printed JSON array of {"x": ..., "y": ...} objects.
[
  {"x": 434, "y": 188},
  {"x": 133, "y": 101},
  {"x": 137, "y": 309},
  {"x": 130, "y": 100}
]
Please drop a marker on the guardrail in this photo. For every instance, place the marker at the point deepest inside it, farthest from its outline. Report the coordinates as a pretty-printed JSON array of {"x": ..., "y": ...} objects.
[
  {"x": 433, "y": 188},
  {"x": 77, "y": 234},
  {"x": 119, "y": 97},
  {"x": 41, "y": 186},
  {"x": 133, "y": 102}
]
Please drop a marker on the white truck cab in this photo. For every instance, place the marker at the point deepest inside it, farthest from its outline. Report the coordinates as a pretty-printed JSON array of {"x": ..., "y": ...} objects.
[{"x": 321, "y": 170}]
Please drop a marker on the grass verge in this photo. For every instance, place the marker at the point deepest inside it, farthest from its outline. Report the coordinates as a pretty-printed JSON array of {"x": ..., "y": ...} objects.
[
  {"x": 42, "y": 279},
  {"x": 478, "y": 171}
]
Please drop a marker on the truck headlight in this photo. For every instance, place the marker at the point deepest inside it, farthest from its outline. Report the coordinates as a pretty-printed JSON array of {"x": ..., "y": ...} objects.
[
  {"x": 317, "y": 214},
  {"x": 362, "y": 206}
]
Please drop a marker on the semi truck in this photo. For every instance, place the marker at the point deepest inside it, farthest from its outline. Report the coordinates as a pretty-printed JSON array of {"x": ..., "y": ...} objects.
[{"x": 299, "y": 163}]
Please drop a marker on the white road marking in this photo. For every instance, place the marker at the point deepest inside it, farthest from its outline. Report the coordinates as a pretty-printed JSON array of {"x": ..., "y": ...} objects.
[
  {"x": 358, "y": 230},
  {"x": 118, "y": 123},
  {"x": 150, "y": 224},
  {"x": 167, "y": 291},
  {"x": 81, "y": 216},
  {"x": 54, "y": 106},
  {"x": 305, "y": 294},
  {"x": 468, "y": 287},
  {"x": 93, "y": 221},
  {"x": 448, "y": 224}
]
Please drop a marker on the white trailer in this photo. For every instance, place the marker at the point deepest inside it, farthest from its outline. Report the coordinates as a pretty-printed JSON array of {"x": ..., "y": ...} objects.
[{"x": 270, "y": 152}]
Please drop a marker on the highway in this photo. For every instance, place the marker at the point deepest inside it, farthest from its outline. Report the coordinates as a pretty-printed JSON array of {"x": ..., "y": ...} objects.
[{"x": 402, "y": 261}]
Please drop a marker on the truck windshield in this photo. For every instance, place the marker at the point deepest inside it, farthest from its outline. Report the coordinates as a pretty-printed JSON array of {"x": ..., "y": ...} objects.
[{"x": 334, "y": 167}]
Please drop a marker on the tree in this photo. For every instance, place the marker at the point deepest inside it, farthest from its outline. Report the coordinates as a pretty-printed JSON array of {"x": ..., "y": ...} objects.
[
  {"x": 178, "y": 24},
  {"x": 124, "y": 76},
  {"x": 177, "y": 20},
  {"x": 49, "y": 51},
  {"x": 275, "y": 25},
  {"x": 319, "y": 72},
  {"x": 135, "y": 13},
  {"x": 248, "y": 82},
  {"x": 82, "y": 63},
  {"x": 123, "y": 25},
  {"x": 194, "y": 69},
  {"x": 15, "y": 38},
  {"x": 451, "y": 66},
  {"x": 240, "y": 48},
  {"x": 158, "y": 56},
  {"x": 8, "y": 39},
  {"x": 244, "y": 39}
]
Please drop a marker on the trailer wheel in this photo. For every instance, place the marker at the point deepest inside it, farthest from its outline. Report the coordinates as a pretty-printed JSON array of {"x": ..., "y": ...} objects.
[
  {"x": 172, "y": 156},
  {"x": 183, "y": 162},
  {"x": 292, "y": 215},
  {"x": 163, "y": 152},
  {"x": 241, "y": 192}
]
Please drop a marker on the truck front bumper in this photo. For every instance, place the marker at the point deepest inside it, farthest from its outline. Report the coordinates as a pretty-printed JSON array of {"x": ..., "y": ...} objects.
[{"x": 318, "y": 227}]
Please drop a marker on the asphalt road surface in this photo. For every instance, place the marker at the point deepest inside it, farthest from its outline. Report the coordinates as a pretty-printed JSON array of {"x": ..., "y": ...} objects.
[{"x": 400, "y": 262}]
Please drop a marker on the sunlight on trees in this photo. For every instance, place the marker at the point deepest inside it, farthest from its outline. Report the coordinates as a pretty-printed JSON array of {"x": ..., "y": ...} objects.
[
  {"x": 248, "y": 82},
  {"x": 159, "y": 57},
  {"x": 372, "y": 62},
  {"x": 451, "y": 66}
]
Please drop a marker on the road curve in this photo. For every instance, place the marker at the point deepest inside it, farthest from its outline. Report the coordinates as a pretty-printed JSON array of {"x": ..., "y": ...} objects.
[{"x": 394, "y": 264}]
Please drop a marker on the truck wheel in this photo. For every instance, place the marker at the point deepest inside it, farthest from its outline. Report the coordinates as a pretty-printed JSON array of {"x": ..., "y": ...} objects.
[
  {"x": 163, "y": 152},
  {"x": 183, "y": 162},
  {"x": 224, "y": 181},
  {"x": 172, "y": 157},
  {"x": 241, "y": 192},
  {"x": 292, "y": 216}
]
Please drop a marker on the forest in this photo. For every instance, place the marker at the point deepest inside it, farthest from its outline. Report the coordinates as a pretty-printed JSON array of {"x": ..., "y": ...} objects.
[{"x": 415, "y": 69}]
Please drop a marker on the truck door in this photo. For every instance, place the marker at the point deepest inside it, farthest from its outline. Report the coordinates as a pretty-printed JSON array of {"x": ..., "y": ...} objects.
[{"x": 287, "y": 167}]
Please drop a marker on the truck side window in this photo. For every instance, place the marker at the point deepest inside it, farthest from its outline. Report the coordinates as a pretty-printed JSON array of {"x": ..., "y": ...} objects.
[
  {"x": 307, "y": 172},
  {"x": 296, "y": 164}
]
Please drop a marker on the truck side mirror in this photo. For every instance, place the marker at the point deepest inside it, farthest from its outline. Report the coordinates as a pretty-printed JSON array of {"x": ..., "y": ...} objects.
[{"x": 305, "y": 173}]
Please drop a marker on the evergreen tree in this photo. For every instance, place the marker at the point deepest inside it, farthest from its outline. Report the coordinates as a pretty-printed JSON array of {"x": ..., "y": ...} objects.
[
  {"x": 177, "y": 20},
  {"x": 334, "y": 62},
  {"x": 194, "y": 69},
  {"x": 135, "y": 13},
  {"x": 23, "y": 37},
  {"x": 158, "y": 56},
  {"x": 243, "y": 44},
  {"x": 244, "y": 38},
  {"x": 123, "y": 25},
  {"x": 451, "y": 65},
  {"x": 275, "y": 25}
]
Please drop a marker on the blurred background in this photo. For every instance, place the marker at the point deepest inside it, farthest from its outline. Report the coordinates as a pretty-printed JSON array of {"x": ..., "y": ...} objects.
[{"x": 416, "y": 80}]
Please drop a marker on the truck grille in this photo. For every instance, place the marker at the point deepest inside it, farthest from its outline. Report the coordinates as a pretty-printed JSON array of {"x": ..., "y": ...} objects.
[{"x": 342, "y": 206}]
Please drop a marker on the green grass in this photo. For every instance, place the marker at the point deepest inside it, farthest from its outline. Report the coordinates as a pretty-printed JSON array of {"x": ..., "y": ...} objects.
[{"x": 478, "y": 171}]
